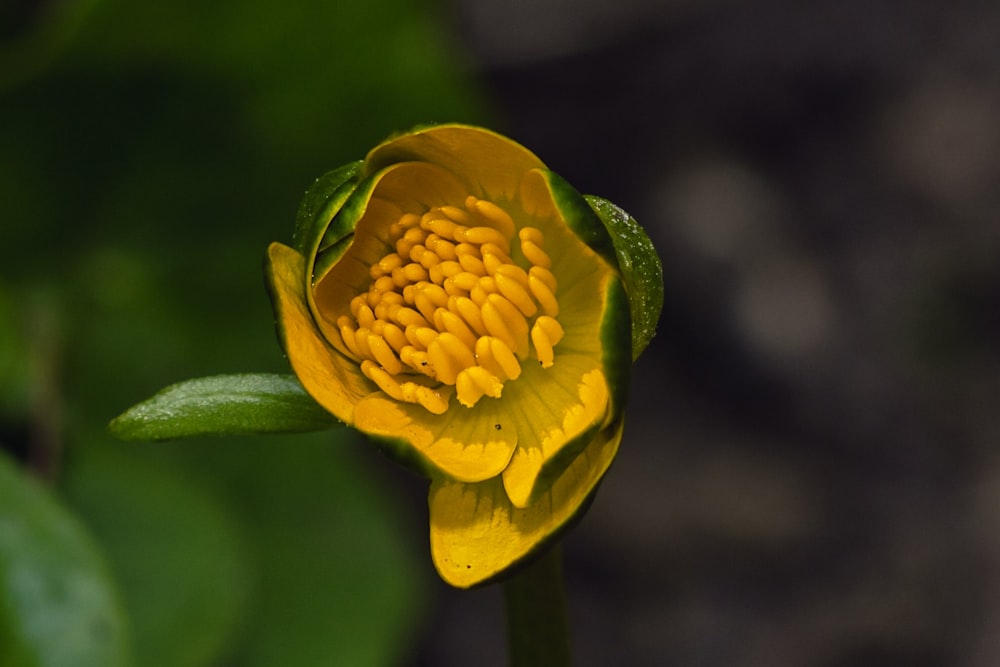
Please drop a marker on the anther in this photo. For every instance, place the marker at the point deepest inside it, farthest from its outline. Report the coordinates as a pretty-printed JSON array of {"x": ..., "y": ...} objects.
[
  {"x": 455, "y": 214},
  {"x": 469, "y": 311},
  {"x": 394, "y": 336},
  {"x": 475, "y": 382},
  {"x": 471, "y": 263},
  {"x": 494, "y": 355},
  {"x": 421, "y": 337},
  {"x": 515, "y": 293},
  {"x": 445, "y": 320},
  {"x": 449, "y": 356},
  {"x": 444, "y": 228},
  {"x": 407, "y": 317},
  {"x": 414, "y": 272},
  {"x": 417, "y": 360},
  {"x": 546, "y": 276},
  {"x": 497, "y": 217},
  {"x": 481, "y": 235},
  {"x": 442, "y": 248},
  {"x": 516, "y": 324},
  {"x": 408, "y": 220},
  {"x": 545, "y": 334},
  {"x": 411, "y": 238},
  {"x": 442, "y": 270},
  {"x": 465, "y": 280},
  {"x": 543, "y": 295},
  {"x": 382, "y": 378},
  {"x": 347, "y": 334},
  {"x": 365, "y": 315},
  {"x": 361, "y": 342},
  {"x": 388, "y": 263},
  {"x": 383, "y": 284},
  {"x": 383, "y": 354},
  {"x": 432, "y": 400},
  {"x": 535, "y": 254},
  {"x": 497, "y": 326}
]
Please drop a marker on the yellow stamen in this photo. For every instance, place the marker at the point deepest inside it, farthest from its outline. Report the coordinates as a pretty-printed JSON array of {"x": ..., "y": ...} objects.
[
  {"x": 445, "y": 250},
  {"x": 546, "y": 299},
  {"x": 387, "y": 264},
  {"x": 515, "y": 292},
  {"x": 546, "y": 276},
  {"x": 445, "y": 320},
  {"x": 494, "y": 355},
  {"x": 475, "y": 382},
  {"x": 516, "y": 324},
  {"x": 468, "y": 311},
  {"x": 449, "y": 311},
  {"x": 481, "y": 235},
  {"x": 455, "y": 213},
  {"x": 470, "y": 262},
  {"x": 495, "y": 215},
  {"x": 545, "y": 334}
]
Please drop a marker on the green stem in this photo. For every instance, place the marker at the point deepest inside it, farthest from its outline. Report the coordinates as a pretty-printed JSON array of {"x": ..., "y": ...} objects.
[{"x": 537, "y": 631}]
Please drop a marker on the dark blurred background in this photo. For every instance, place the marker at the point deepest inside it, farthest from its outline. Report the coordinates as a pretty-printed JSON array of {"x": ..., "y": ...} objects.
[{"x": 809, "y": 474}]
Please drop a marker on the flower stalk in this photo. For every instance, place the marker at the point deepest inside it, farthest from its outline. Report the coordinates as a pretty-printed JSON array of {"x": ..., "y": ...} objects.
[{"x": 535, "y": 602}]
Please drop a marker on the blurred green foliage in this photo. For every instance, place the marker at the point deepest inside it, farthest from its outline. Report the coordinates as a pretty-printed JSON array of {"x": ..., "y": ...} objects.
[{"x": 148, "y": 154}]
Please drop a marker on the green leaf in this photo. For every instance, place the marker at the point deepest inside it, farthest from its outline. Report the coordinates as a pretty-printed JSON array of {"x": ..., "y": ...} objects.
[
  {"x": 224, "y": 405},
  {"x": 58, "y": 606},
  {"x": 640, "y": 266}
]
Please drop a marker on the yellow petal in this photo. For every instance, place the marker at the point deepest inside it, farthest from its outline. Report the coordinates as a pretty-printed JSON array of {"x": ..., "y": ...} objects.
[
  {"x": 331, "y": 378},
  {"x": 491, "y": 165},
  {"x": 558, "y": 407},
  {"x": 467, "y": 444},
  {"x": 477, "y": 534}
]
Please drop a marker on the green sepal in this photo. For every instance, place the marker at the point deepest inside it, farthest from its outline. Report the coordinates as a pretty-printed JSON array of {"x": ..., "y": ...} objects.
[
  {"x": 246, "y": 404},
  {"x": 320, "y": 204},
  {"x": 58, "y": 603},
  {"x": 339, "y": 232},
  {"x": 640, "y": 267}
]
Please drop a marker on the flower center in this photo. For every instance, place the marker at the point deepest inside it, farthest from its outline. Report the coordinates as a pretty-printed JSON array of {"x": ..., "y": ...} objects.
[{"x": 451, "y": 307}]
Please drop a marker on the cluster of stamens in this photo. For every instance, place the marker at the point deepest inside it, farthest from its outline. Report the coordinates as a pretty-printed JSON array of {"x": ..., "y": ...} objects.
[{"x": 451, "y": 307}]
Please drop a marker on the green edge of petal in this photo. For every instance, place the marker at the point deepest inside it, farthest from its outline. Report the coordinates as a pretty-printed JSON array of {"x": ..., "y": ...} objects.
[
  {"x": 402, "y": 452},
  {"x": 581, "y": 217},
  {"x": 617, "y": 338},
  {"x": 640, "y": 266},
  {"x": 616, "y": 365}
]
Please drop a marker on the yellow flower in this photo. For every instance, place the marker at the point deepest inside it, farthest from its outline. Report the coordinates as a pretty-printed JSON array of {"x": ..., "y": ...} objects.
[{"x": 457, "y": 301}]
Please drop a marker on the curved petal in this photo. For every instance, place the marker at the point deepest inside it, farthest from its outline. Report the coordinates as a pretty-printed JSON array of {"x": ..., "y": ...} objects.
[
  {"x": 544, "y": 192},
  {"x": 490, "y": 164},
  {"x": 477, "y": 534},
  {"x": 373, "y": 207},
  {"x": 469, "y": 445},
  {"x": 333, "y": 380},
  {"x": 560, "y": 420}
]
